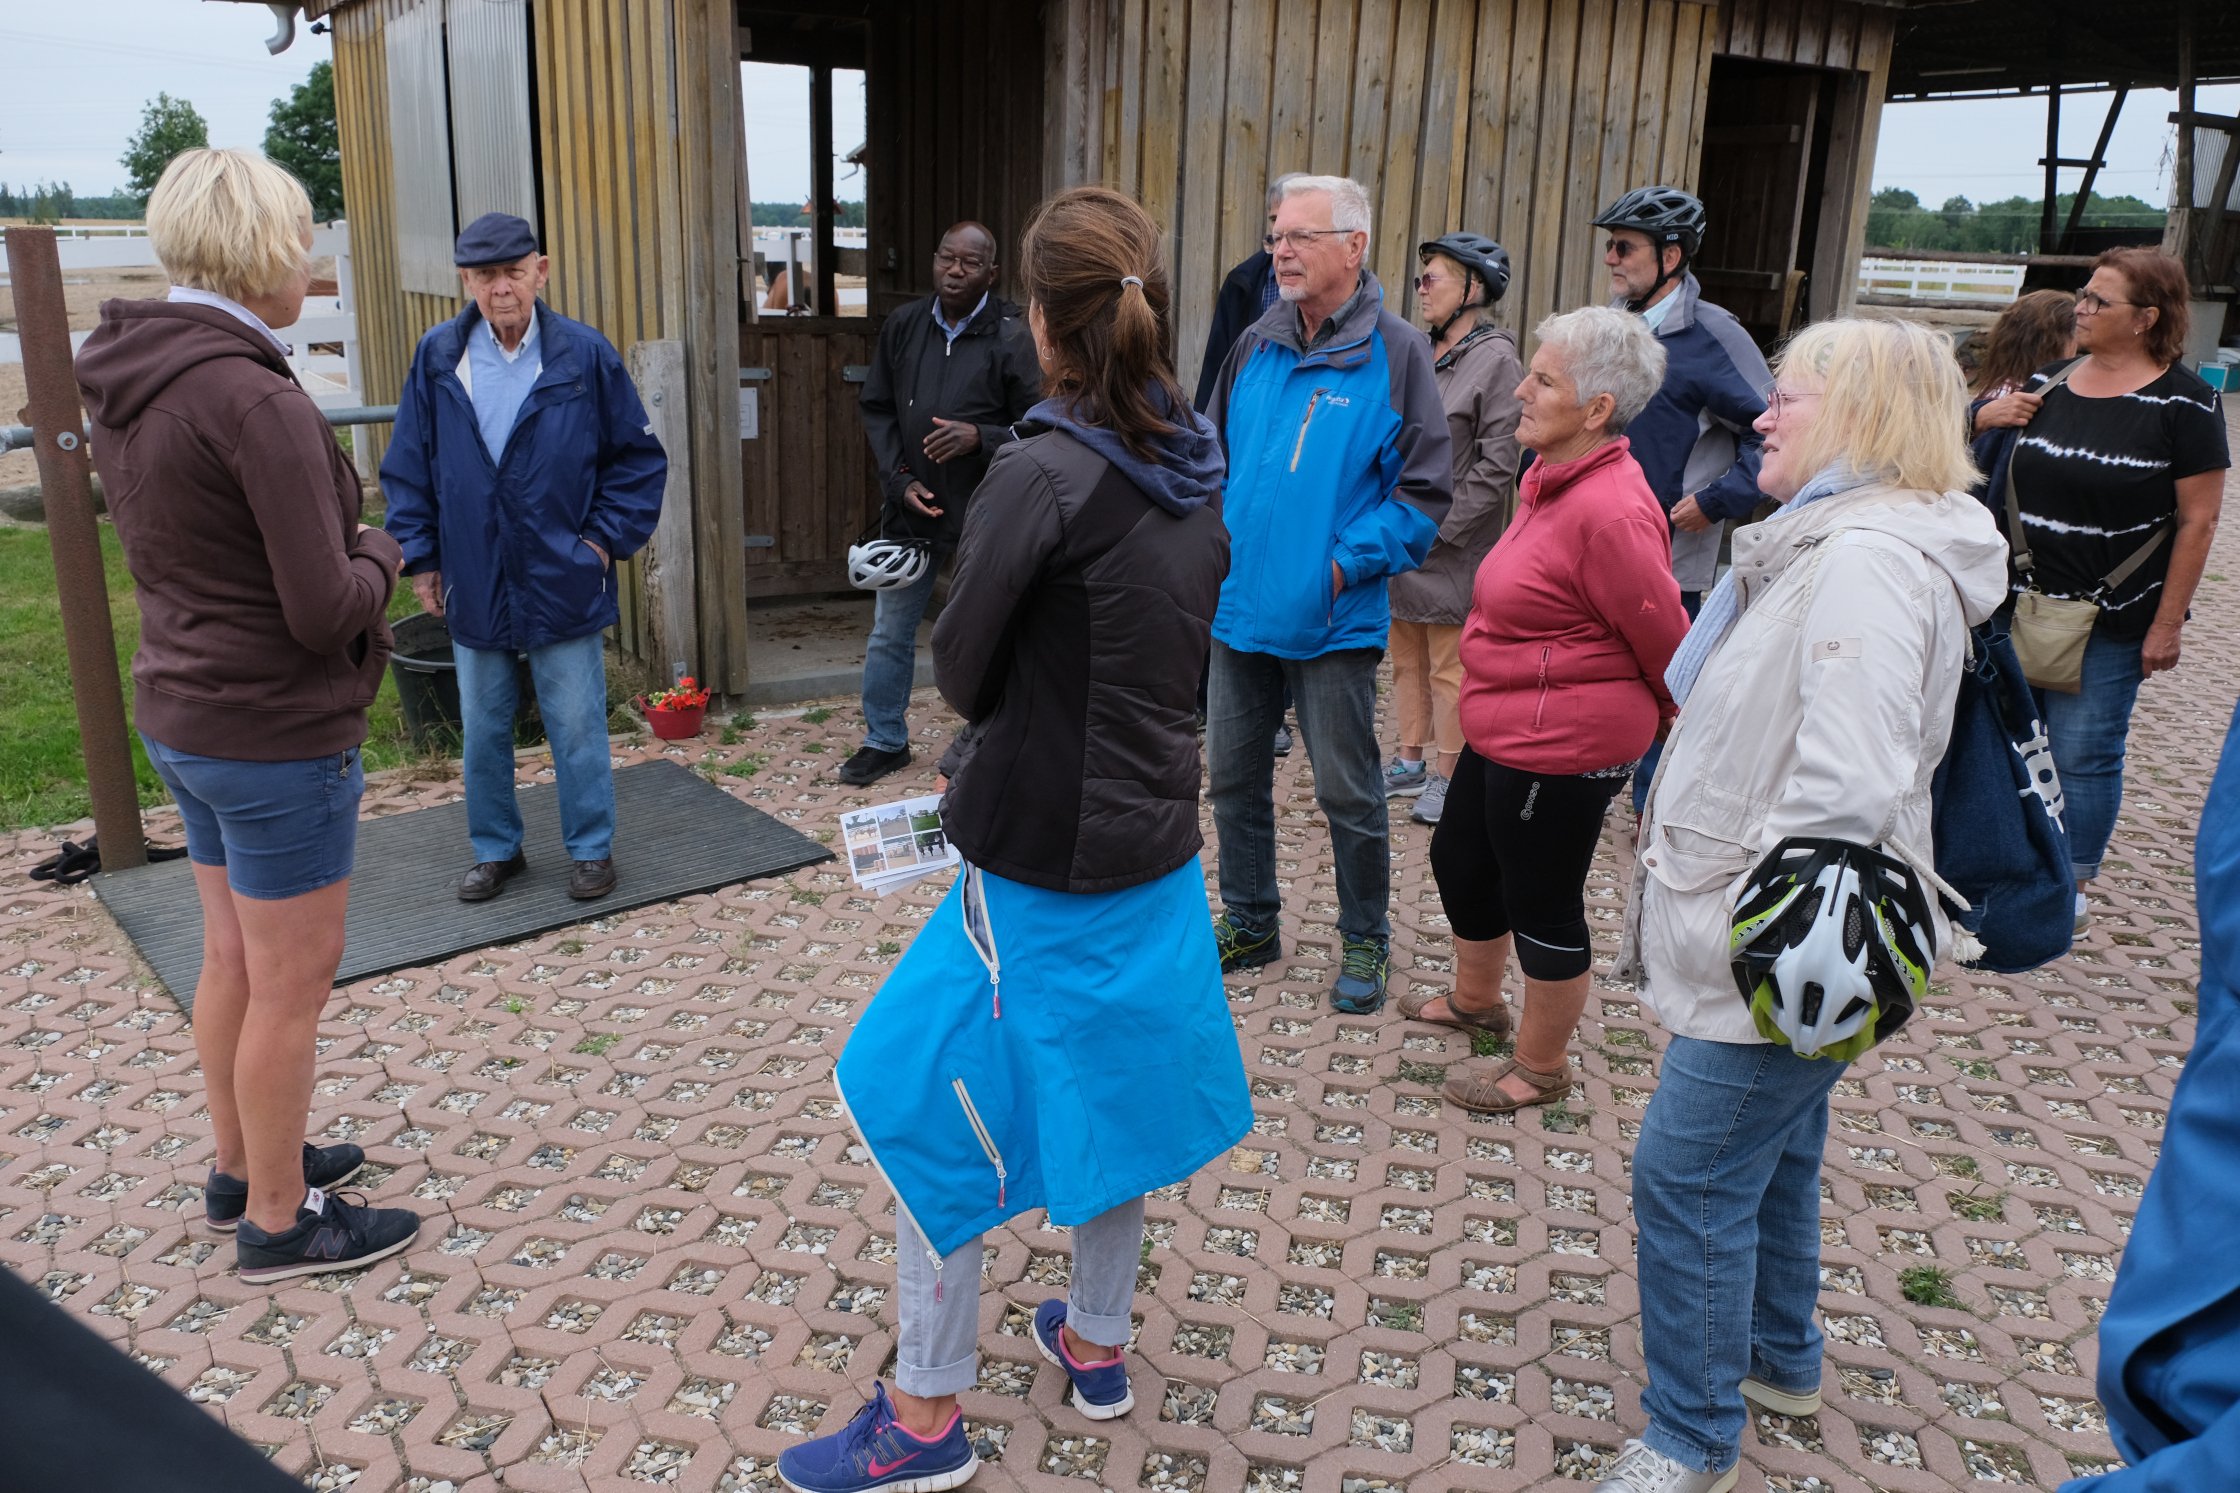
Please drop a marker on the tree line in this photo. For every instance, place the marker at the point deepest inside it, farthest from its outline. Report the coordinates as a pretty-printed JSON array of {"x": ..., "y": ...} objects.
[{"x": 1897, "y": 220}]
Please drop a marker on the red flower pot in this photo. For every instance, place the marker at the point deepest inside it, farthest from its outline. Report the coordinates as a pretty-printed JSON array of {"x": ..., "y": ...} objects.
[{"x": 673, "y": 724}]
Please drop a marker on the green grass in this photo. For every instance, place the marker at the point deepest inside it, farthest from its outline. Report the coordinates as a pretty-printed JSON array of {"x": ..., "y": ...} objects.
[
  {"x": 598, "y": 1043},
  {"x": 1978, "y": 1206},
  {"x": 817, "y": 716},
  {"x": 1927, "y": 1285}
]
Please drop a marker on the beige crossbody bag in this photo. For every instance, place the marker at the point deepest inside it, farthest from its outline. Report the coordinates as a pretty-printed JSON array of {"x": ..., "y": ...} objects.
[{"x": 2050, "y": 632}]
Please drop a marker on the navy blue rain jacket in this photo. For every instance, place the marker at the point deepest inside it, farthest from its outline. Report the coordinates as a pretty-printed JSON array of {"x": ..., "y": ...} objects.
[
  {"x": 582, "y": 463},
  {"x": 1697, "y": 435},
  {"x": 2170, "y": 1341}
]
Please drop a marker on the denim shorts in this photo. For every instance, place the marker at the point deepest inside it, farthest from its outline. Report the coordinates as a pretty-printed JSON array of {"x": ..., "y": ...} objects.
[{"x": 280, "y": 829}]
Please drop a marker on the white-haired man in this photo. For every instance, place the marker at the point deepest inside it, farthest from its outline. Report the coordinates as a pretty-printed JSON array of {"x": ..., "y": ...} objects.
[{"x": 1339, "y": 475}]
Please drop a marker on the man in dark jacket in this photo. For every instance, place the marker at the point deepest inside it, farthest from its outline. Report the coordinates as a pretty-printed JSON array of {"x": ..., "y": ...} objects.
[
  {"x": 521, "y": 470},
  {"x": 1245, "y": 297},
  {"x": 1339, "y": 476},
  {"x": 951, "y": 374}
]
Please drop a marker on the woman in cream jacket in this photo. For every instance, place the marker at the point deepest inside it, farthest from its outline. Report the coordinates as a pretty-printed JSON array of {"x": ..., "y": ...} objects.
[{"x": 1816, "y": 694}]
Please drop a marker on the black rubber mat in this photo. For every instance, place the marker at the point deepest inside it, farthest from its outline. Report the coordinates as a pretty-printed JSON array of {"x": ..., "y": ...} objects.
[{"x": 675, "y": 834}]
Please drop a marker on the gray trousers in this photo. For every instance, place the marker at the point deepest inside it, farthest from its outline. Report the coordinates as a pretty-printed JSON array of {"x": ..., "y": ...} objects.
[{"x": 939, "y": 1349}]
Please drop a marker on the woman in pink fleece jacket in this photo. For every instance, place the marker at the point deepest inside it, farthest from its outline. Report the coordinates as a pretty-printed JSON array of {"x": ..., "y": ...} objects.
[{"x": 1573, "y": 617}]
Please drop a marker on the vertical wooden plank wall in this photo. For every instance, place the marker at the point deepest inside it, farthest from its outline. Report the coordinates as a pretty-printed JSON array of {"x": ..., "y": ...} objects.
[{"x": 1517, "y": 118}]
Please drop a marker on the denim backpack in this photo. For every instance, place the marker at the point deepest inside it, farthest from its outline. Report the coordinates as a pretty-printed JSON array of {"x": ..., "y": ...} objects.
[{"x": 1996, "y": 815}]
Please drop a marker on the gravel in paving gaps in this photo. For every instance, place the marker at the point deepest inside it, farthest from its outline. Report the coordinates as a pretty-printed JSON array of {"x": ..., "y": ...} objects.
[{"x": 1483, "y": 1446}]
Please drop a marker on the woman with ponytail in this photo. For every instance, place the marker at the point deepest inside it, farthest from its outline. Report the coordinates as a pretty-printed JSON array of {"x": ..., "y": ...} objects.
[{"x": 1057, "y": 1036}]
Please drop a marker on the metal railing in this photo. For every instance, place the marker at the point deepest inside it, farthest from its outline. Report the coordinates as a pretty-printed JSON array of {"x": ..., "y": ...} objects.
[{"x": 20, "y": 438}]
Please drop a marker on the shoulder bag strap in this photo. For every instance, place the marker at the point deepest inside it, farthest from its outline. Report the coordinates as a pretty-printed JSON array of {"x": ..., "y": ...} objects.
[
  {"x": 2139, "y": 557},
  {"x": 2023, "y": 563}
]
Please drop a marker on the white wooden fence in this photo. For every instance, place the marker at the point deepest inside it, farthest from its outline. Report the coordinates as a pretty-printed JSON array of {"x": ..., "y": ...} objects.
[{"x": 1941, "y": 280}]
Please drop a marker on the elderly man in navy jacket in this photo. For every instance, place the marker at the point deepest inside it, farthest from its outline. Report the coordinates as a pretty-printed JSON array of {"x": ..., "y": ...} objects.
[{"x": 521, "y": 470}]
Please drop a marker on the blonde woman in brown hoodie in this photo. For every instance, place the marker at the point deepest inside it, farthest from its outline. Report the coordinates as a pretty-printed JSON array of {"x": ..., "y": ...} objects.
[{"x": 262, "y": 642}]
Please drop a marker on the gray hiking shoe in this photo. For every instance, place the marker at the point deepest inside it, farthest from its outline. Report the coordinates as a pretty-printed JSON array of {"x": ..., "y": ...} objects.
[
  {"x": 1642, "y": 1470},
  {"x": 1431, "y": 802}
]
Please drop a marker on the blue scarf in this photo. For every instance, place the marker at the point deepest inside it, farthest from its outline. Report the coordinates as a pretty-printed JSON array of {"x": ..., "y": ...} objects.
[{"x": 1724, "y": 604}]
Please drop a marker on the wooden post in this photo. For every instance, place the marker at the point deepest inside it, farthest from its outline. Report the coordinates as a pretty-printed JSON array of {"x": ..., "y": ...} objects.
[
  {"x": 2053, "y": 161},
  {"x": 2092, "y": 170},
  {"x": 81, "y": 583},
  {"x": 2182, "y": 234},
  {"x": 657, "y": 368}
]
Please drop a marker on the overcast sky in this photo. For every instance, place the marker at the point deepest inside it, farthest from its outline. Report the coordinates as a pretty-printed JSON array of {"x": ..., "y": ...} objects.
[{"x": 78, "y": 72}]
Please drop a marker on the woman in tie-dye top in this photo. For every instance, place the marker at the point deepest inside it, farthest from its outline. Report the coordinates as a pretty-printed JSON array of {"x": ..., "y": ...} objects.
[{"x": 2129, "y": 450}]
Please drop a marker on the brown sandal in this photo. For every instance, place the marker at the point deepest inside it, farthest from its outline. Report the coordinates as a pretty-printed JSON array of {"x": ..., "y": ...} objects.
[
  {"x": 1494, "y": 1023},
  {"x": 1481, "y": 1093}
]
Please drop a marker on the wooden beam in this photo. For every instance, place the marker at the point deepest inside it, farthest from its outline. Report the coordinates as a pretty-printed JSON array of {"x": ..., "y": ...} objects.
[
  {"x": 2092, "y": 170},
  {"x": 2053, "y": 154},
  {"x": 657, "y": 368}
]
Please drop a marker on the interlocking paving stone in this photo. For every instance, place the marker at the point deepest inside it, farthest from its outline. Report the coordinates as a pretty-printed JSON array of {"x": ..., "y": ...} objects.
[{"x": 654, "y": 1255}]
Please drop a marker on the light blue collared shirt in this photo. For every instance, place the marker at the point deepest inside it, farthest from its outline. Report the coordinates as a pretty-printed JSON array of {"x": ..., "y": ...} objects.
[
  {"x": 191, "y": 297},
  {"x": 954, "y": 332}
]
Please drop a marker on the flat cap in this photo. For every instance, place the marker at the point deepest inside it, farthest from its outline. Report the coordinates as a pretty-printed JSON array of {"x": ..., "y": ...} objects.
[{"x": 494, "y": 238}]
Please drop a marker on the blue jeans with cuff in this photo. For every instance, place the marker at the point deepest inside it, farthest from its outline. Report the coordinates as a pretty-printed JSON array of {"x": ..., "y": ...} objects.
[
  {"x": 571, "y": 681},
  {"x": 1335, "y": 698},
  {"x": 1726, "y": 1198},
  {"x": 2087, "y": 732}
]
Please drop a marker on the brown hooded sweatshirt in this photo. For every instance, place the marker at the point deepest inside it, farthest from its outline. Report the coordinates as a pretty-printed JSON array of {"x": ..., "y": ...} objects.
[{"x": 261, "y": 604}]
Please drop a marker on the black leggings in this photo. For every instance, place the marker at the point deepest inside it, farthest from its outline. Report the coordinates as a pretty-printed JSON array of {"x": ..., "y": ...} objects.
[{"x": 1511, "y": 855}]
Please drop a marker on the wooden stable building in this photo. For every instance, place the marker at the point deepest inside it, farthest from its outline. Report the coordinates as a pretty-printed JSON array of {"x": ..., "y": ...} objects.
[{"x": 617, "y": 126}]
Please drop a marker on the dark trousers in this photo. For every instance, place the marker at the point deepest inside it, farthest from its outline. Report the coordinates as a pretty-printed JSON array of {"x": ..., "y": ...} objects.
[{"x": 1511, "y": 855}]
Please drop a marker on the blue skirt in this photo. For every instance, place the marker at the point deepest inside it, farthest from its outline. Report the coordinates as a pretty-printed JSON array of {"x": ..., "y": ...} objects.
[{"x": 1047, "y": 1049}]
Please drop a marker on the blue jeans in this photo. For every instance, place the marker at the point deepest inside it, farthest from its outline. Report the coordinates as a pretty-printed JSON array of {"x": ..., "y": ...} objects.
[
  {"x": 1726, "y": 1196},
  {"x": 1336, "y": 700},
  {"x": 2087, "y": 731},
  {"x": 571, "y": 680},
  {"x": 890, "y": 659}
]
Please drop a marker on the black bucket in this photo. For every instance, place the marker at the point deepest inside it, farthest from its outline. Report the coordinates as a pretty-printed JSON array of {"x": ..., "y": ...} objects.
[{"x": 428, "y": 686}]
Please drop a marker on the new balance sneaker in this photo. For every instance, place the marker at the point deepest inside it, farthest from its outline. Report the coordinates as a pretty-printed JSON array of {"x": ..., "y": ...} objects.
[
  {"x": 1363, "y": 965},
  {"x": 330, "y": 1234},
  {"x": 1100, "y": 1390},
  {"x": 1430, "y": 803},
  {"x": 1243, "y": 946},
  {"x": 1405, "y": 779},
  {"x": 225, "y": 1199},
  {"x": 876, "y": 1450},
  {"x": 1281, "y": 744},
  {"x": 1642, "y": 1470}
]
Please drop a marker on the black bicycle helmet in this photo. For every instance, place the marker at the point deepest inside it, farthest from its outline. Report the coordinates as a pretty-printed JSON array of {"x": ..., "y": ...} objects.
[
  {"x": 1666, "y": 214},
  {"x": 1480, "y": 255}
]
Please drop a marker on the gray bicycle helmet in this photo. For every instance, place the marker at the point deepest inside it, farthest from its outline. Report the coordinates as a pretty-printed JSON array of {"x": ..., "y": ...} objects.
[
  {"x": 876, "y": 563},
  {"x": 1478, "y": 255},
  {"x": 1666, "y": 214}
]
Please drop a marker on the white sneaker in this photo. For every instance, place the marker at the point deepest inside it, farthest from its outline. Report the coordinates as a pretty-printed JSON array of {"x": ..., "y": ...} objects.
[
  {"x": 2084, "y": 915},
  {"x": 1431, "y": 802},
  {"x": 1641, "y": 1470},
  {"x": 1781, "y": 1401}
]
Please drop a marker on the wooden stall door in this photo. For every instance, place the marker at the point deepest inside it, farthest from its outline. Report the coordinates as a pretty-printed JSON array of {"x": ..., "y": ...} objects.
[
  {"x": 809, "y": 489},
  {"x": 1764, "y": 159}
]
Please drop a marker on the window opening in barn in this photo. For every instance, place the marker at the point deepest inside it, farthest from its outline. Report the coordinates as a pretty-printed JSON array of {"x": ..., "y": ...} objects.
[{"x": 807, "y": 180}]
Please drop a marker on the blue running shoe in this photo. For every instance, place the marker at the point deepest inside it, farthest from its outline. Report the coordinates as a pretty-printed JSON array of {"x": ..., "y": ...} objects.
[
  {"x": 1363, "y": 968},
  {"x": 875, "y": 1450},
  {"x": 1100, "y": 1390}
]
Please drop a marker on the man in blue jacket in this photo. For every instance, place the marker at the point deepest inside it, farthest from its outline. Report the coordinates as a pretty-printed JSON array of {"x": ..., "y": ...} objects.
[
  {"x": 2170, "y": 1342},
  {"x": 1697, "y": 441},
  {"x": 1339, "y": 475},
  {"x": 522, "y": 468}
]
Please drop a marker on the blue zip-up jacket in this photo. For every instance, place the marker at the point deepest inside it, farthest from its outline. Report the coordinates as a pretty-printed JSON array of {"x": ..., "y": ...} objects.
[
  {"x": 508, "y": 535},
  {"x": 2170, "y": 1341},
  {"x": 1336, "y": 453},
  {"x": 1696, "y": 436}
]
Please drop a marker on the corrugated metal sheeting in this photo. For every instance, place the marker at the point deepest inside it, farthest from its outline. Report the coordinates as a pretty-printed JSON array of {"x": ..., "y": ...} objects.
[
  {"x": 420, "y": 144},
  {"x": 493, "y": 159}
]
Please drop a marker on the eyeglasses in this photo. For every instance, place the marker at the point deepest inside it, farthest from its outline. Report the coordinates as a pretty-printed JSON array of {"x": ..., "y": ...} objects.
[
  {"x": 1298, "y": 238},
  {"x": 2093, "y": 301},
  {"x": 1780, "y": 399},
  {"x": 970, "y": 264}
]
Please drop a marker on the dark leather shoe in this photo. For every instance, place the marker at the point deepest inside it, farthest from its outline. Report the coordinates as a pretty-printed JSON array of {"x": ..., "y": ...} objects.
[
  {"x": 870, "y": 763},
  {"x": 485, "y": 879},
  {"x": 591, "y": 880}
]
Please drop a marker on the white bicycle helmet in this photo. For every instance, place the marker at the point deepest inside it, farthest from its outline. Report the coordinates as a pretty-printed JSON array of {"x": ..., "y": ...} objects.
[
  {"x": 876, "y": 563},
  {"x": 1831, "y": 945}
]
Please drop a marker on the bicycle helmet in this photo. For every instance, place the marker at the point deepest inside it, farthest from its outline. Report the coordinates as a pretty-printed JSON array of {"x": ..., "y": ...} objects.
[
  {"x": 876, "y": 563},
  {"x": 1831, "y": 945},
  {"x": 1666, "y": 214},
  {"x": 1478, "y": 255}
]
